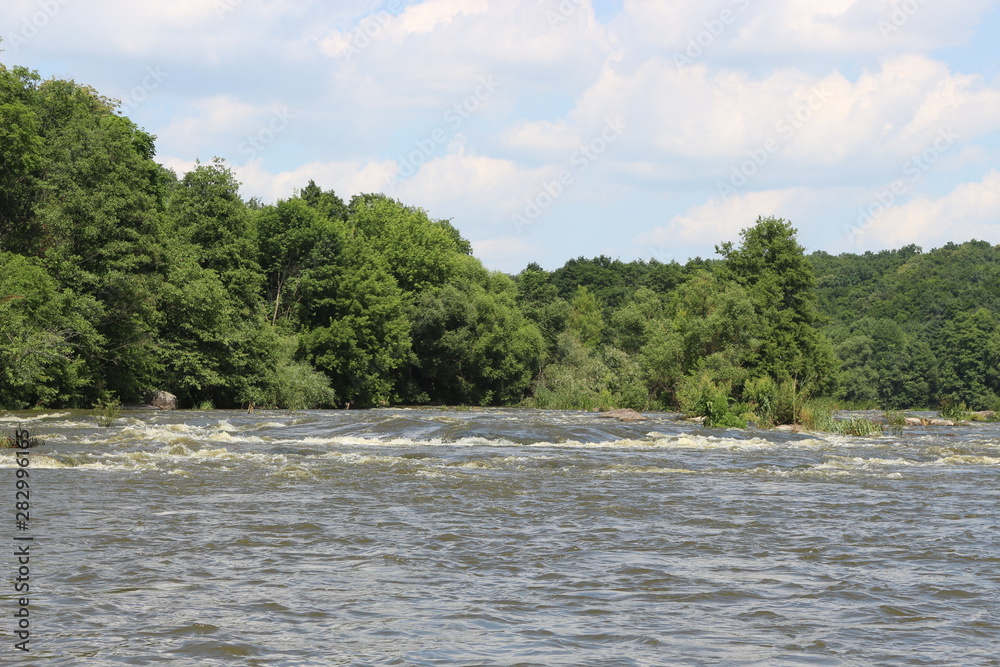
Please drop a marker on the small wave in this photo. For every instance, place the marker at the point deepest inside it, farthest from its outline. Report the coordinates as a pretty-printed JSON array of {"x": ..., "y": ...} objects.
[
  {"x": 654, "y": 470},
  {"x": 36, "y": 461},
  {"x": 969, "y": 460},
  {"x": 356, "y": 458},
  {"x": 35, "y": 418},
  {"x": 848, "y": 462},
  {"x": 471, "y": 441},
  {"x": 220, "y": 432}
]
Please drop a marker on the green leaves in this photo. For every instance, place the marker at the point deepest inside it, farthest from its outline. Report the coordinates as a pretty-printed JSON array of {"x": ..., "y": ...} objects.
[
  {"x": 472, "y": 344},
  {"x": 44, "y": 335}
]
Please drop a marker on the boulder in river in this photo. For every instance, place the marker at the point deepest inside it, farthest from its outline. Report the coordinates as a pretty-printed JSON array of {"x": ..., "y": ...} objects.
[
  {"x": 163, "y": 400},
  {"x": 625, "y": 415}
]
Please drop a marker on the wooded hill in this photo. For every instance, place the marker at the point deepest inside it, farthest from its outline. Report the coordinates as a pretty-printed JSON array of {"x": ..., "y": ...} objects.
[{"x": 118, "y": 277}]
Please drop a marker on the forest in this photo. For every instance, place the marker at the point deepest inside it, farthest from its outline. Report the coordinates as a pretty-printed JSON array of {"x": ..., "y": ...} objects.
[{"x": 119, "y": 277}]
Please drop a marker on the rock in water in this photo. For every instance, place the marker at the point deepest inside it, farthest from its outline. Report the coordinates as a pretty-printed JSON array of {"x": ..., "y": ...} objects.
[
  {"x": 625, "y": 415},
  {"x": 163, "y": 400}
]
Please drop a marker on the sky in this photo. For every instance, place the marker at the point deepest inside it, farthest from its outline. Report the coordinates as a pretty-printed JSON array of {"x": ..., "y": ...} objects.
[{"x": 547, "y": 130}]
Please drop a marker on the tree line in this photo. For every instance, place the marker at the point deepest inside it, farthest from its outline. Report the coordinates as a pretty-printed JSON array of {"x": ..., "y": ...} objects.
[{"x": 117, "y": 276}]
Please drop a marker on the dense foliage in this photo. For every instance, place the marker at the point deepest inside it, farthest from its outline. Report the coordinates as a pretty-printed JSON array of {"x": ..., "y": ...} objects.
[{"x": 118, "y": 277}]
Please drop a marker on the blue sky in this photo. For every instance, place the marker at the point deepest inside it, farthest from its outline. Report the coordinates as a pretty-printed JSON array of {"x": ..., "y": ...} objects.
[{"x": 552, "y": 129}]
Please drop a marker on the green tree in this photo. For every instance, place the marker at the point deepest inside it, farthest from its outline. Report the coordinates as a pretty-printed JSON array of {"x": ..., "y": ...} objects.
[
  {"x": 20, "y": 157},
  {"x": 710, "y": 330},
  {"x": 45, "y": 336},
  {"x": 288, "y": 233},
  {"x": 586, "y": 320},
  {"x": 421, "y": 253},
  {"x": 970, "y": 359},
  {"x": 354, "y": 314},
  {"x": 771, "y": 266},
  {"x": 96, "y": 225},
  {"x": 883, "y": 363},
  {"x": 472, "y": 344},
  {"x": 632, "y": 324},
  {"x": 209, "y": 213}
]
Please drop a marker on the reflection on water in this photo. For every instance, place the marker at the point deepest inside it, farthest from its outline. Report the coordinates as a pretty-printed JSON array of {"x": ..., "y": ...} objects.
[{"x": 432, "y": 537}]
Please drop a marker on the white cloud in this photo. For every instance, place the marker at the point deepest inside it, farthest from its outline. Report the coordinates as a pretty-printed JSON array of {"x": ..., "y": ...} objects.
[
  {"x": 346, "y": 178},
  {"x": 506, "y": 253},
  {"x": 822, "y": 126},
  {"x": 804, "y": 29},
  {"x": 862, "y": 104},
  {"x": 720, "y": 220},
  {"x": 214, "y": 122},
  {"x": 970, "y": 210},
  {"x": 426, "y": 16}
]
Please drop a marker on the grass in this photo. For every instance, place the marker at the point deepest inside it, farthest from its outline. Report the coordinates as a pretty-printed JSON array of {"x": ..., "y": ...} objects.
[
  {"x": 896, "y": 421},
  {"x": 817, "y": 415},
  {"x": 859, "y": 426},
  {"x": 954, "y": 411},
  {"x": 108, "y": 412}
]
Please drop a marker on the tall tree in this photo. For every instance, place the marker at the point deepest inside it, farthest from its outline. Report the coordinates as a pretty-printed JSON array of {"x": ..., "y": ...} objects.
[{"x": 771, "y": 266}]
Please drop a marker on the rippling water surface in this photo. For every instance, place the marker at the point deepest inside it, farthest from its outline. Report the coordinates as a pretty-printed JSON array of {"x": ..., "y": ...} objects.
[{"x": 502, "y": 537}]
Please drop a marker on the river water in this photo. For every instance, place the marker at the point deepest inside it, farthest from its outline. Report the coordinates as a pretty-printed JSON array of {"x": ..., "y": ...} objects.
[{"x": 500, "y": 537}]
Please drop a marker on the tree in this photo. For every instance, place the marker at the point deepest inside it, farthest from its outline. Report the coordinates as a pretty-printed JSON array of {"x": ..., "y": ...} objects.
[
  {"x": 287, "y": 232},
  {"x": 354, "y": 315},
  {"x": 970, "y": 359},
  {"x": 421, "y": 253},
  {"x": 771, "y": 266},
  {"x": 209, "y": 213},
  {"x": 472, "y": 344},
  {"x": 883, "y": 363},
  {"x": 20, "y": 157},
  {"x": 710, "y": 329},
  {"x": 586, "y": 320},
  {"x": 45, "y": 336}
]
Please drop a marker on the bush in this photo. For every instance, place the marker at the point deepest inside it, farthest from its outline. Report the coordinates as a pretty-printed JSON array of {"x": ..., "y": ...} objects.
[
  {"x": 817, "y": 415},
  {"x": 896, "y": 420},
  {"x": 699, "y": 395},
  {"x": 582, "y": 379},
  {"x": 299, "y": 386},
  {"x": 955, "y": 411},
  {"x": 761, "y": 395},
  {"x": 860, "y": 426},
  {"x": 107, "y": 412}
]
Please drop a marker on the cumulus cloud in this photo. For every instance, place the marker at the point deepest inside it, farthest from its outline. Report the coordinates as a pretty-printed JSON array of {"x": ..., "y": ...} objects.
[
  {"x": 734, "y": 109},
  {"x": 719, "y": 220},
  {"x": 506, "y": 253},
  {"x": 968, "y": 211}
]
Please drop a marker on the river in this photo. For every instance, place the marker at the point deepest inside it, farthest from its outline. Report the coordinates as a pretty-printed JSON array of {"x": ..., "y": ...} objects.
[{"x": 499, "y": 537}]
